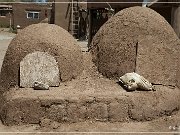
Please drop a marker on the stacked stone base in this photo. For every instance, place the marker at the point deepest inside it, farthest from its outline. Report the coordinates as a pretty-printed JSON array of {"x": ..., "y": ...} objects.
[{"x": 22, "y": 108}]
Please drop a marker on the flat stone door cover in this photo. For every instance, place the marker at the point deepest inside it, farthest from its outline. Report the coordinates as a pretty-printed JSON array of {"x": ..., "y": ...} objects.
[{"x": 41, "y": 67}]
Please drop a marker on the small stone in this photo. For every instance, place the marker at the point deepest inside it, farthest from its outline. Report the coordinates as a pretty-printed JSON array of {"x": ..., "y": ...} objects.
[
  {"x": 55, "y": 125},
  {"x": 40, "y": 86},
  {"x": 126, "y": 23},
  {"x": 45, "y": 122}
]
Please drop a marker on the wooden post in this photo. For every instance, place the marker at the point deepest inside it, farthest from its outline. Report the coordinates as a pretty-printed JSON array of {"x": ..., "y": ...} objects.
[
  {"x": 90, "y": 28},
  {"x": 175, "y": 19},
  {"x": 10, "y": 21},
  {"x": 72, "y": 19}
]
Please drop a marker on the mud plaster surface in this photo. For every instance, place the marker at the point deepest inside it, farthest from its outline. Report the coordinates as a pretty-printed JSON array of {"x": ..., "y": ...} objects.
[
  {"x": 89, "y": 97},
  {"x": 158, "y": 125},
  {"x": 137, "y": 39},
  {"x": 45, "y": 38}
]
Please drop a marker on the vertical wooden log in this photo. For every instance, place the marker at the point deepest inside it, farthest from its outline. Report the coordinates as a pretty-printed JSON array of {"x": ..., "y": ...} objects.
[{"x": 90, "y": 28}]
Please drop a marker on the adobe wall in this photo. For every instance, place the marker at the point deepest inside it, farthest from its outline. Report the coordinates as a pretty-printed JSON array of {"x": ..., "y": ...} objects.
[
  {"x": 5, "y": 21},
  {"x": 62, "y": 14},
  {"x": 20, "y": 15}
]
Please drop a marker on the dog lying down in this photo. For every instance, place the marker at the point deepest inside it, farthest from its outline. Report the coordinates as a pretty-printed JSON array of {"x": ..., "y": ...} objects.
[{"x": 133, "y": 81}]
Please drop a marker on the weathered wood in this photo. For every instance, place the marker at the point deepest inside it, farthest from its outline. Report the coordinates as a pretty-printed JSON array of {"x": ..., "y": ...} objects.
[
  {"x": 90, "y": 28},
  {"x": 94, "y": 4}
]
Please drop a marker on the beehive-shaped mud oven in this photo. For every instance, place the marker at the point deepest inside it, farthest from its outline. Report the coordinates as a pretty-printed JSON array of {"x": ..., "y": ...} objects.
[
  {"x": 42, "y": 38},
  {"x": 137, "y": 39}
]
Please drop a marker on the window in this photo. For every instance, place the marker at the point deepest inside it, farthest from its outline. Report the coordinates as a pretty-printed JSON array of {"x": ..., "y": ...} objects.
[
  {"x": 3, "y": 13},
  {"x": 32, "y": 15}
]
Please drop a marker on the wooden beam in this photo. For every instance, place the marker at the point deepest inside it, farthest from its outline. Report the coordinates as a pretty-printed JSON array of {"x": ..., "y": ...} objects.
[
  {"x": 90, "y": 28},
  {"x": 152, "y": 2},
  {"x": 96, "y": 4}
]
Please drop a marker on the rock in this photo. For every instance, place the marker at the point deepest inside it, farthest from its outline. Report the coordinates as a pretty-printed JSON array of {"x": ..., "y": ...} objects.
[
  {"x": 45, "y": 122},
  {"x": 126, "y": 23},
  {"x": 39, "y": 67},
  {"x": 40, "y": 86},
  {"x": 48, "y": 123},
  {"x": 55, "y": 125}
]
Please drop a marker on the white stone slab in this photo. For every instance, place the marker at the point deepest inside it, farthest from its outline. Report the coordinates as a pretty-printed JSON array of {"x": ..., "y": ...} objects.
[{"x": 39, "y": 67}]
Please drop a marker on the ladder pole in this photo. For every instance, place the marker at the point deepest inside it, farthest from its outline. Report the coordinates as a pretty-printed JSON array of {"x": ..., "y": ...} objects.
[
  {"x": 78, "y": 18},
  {"x": 72, "y": 13}
]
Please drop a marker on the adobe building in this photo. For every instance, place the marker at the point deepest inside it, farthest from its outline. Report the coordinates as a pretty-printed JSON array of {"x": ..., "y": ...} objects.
[
  {"x": 61, "y": 15},
  {"x": 5, "y": 15},
  {"x": 96, "y": 14},
  {"x": 71, "y": 15},
  {"x": 25, "y": 14},
  {"x": 170, "y": 11}
]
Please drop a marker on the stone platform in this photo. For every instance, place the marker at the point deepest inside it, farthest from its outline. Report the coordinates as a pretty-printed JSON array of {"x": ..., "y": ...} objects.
[{"x": 72, "y": 103}]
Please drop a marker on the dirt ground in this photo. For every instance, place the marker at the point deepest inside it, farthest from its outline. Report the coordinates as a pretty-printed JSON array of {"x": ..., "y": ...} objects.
[{"x": 163, "y": 125}]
